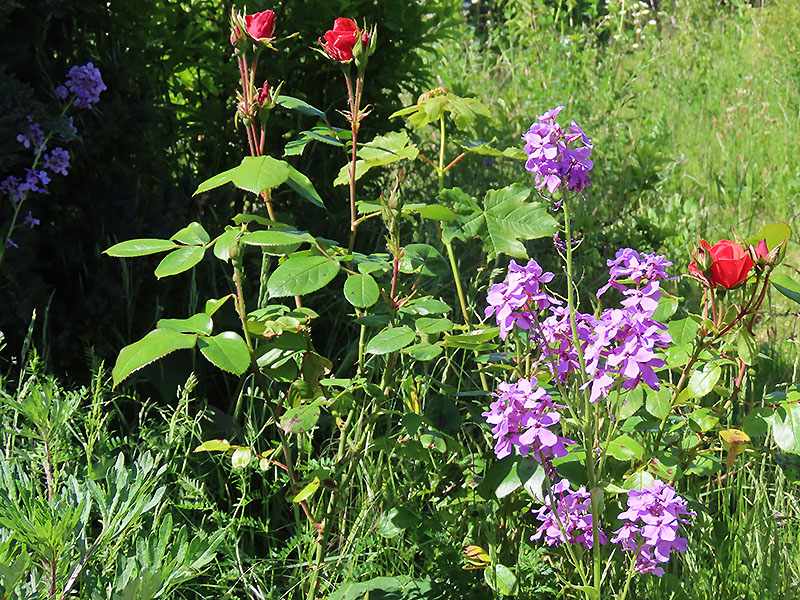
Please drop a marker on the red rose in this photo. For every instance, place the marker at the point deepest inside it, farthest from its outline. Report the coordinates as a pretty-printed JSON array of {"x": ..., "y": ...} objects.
[
  {"x": 340, "y": 40},
  {"x": 260, "y": 26},
  {"x": 730, "y": 263}
]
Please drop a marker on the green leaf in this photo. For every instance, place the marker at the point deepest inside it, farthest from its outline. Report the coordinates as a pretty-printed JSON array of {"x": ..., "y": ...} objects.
[
  {"x": 299, "y": 105},
  {"x": 423, "y": 259},
  {"x": 200, "y": 324},
  {"x": 361, "y": 290},
  {"x": 391, "y": 339},
  {"x": 213, "y": 446},
  {"x": 434, "y": 212},
  {"x": 257, "y": 174},
  {"x": 225, "y": 244},
  {"x": 658, "y": 403},
  {"x": 639, "y": 481},
  {"x": 150, "y": 348},
  {"x": 786, "y": 286},
  {"x": 274, "y": 242},
  {"x": 308, "y": 490},
  {"x": 774, "y": 233},
  {"x": 193, "y": 234},
  {"x": 501, "y": 579},
  {"x": 666, "y": 308},
  {"x": 631, "y": 402},
  {"x": 383, "y": 150},
  {"x": 683, "y": 331},
  {"x": 226, "y": 350},
  {"x": 180, "y": 260},
  {"x": 505, "y": 218},
  {"x": 215, "y": 181},
  {"x": 703, "y": 419},
  {"x": 701, "y": 382},
  {"x": 300, "y": 275},
  {"x": 423, "y": 351},
  {"x": 786, "y": 426},
  {"x": 433, "y": 325},
  {"x": 625, "y": 448},
  {"x": 214, "y": 304},
  {"x": 303, "y": 186},
  {"x": 140, "y": 247},
  {"x": 300, "y": 418},
  {"x": 746, "y": 347},
  {"x": 591, "y": 592}
]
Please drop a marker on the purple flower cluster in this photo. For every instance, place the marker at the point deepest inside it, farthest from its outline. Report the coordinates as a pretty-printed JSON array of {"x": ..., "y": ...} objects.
[
  {"x": 556, "y": 156},
  {"x": 571, "y": 516},
  {"x": 85, "y": 82},
  {"x": 519, "y": 299},
  {"x": 559, "y": 353},
  {"x": 57, "y": 161},
  {"x": 33, "y": 138},
  {"x": 653, "y": 516},
  {"x": 522, "y": 416}
]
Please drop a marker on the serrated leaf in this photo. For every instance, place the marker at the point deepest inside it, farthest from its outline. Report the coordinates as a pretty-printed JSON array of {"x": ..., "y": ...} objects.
[
  {"x": 272, "y": 239},
  {"x": 257, "y": 174},
  {"x": 225, "y": 244},
  {"x": 505, "y": 217},
  {"x": 361, "y": 291},
  {"x": 383, "y": 150},
  {"x": 701, "y": 382},
  {"x": 214, "y": 304},
  {"x": 150, "y": 348},
  {"x": 226, "y": 350},
  {"x": 300, "y": 418},
  {"x": 300, "y": 275},
  {"x": 140, "y": 247},
  {"x": 658, "y": 403},
  {"x": 199, "y": 324},
  {"x": 391, "y": 339},
  {"x": 423, "y": 351},
  {"x": 213, "y": 446},
  {"x": 682, "y": 331},
  {"x": 433, "y": 325},
  {"x": 423, "y": 259},
  {"x": 193, "y": 234},
  {"x": 303, "y": 186},
  {"x": 179, "y": 260},
  {"x": 215, "y": 181}
]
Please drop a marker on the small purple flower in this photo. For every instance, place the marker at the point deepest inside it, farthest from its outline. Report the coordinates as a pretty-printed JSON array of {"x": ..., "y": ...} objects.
[
  {"x": 520, "y": 297},
  {"x": 629, "y": 265},
  {"x": 522, "y": 417},
  {"x": 10, "y": 243},
  {"x": 35, "y": 181},
  {"x": 86, "y": 83},
  {"x": 62, "y": 92},
  {"x": 31, "y": 221},
  {"x": 34, "y": 137},
  {"x": 57, "y": 161},
  {"x": 11, "y": 186},
  {"x": 653, "y": 516},
  {"x": 556, "y": 157},
  {"x": 571, "y": 516}
]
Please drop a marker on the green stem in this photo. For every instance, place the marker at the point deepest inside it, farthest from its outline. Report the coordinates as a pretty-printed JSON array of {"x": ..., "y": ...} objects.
[{"x": 440, "y": 168}]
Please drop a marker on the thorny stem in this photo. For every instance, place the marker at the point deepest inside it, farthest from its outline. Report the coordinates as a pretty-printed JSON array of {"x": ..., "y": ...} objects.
[{"x": 355, "y": 121}]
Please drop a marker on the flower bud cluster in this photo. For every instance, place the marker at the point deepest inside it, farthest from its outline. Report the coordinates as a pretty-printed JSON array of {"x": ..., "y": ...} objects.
[
  {"x": 653, "y": 516},
  {"x": 556, "y": 156}
]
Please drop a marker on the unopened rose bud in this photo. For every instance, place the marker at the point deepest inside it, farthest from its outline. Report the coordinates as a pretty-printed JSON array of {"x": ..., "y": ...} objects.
[{"x": 263, "y": 94}]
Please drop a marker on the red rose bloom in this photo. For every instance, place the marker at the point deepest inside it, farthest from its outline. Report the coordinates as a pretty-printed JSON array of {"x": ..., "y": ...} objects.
[
  {"x": 340, "y": 40},
  {"x": 730, "y": 263},
  {"x": 260, "y": 26}
]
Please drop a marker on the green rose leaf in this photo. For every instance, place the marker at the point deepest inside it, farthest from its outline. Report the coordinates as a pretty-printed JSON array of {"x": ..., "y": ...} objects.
[
  {"x": 300, "y": 418},
  {"x": 140, "y": 247},
  {"x": 225, "y": 244},
  {"x": 199, "y": 324},
  {"x": 746, "y": 347},
  {"x": 361, "y": 290},
  {"x": 299, "y": 105},
  {"x": 383, "y": 150},
  {"x": 257, "y": 174},
  {"x": 180, "y": 260},
  {"x": 150, "y": 348},
  {"x": 786, "y": 286},
  {"x": 274, "y": 242},
  {"x": 215, "y": 181},
  {"x": 300, "y": 275},
  {"x": 703, "y": 381},
  {"x": 391, "y": 339},
  {"x": 226, "y": 350},
  {"x": 423, "y": 351},
  {"x": 303, "y": 186},
  {"x": 786, "y": 424},
  {"x": 193, "y": 234},
  {"x": 658, "y": 403}
]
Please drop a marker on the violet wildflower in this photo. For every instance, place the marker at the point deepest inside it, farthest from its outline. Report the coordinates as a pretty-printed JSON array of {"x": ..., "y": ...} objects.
[
  {"x": 10, "y": 243},
  {"x": 62, "y": 92},
  {"x": 518, "y": 300},
  {"x": 628, "y": 264},
  {"x": 559, "y": 353},
  {"x": 86, "y": 83},
  {"x": 572, "y": 516},
  {"x": 35, "y": 181},
  {"x": 556, "y": 156},
  {"x": 57, "y": 161},
  {"x": 31, "y": 221},
  {"x": 653, "y": 516},
  {"x": 34, "y": 137},
  {"x": 522, "y": 416},
  {"x": 11, "y": 186}
]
